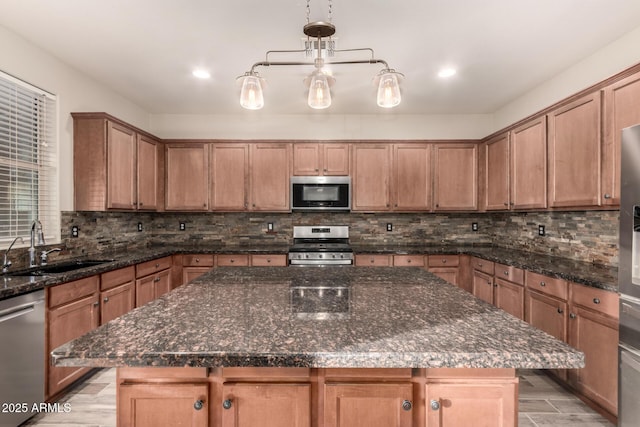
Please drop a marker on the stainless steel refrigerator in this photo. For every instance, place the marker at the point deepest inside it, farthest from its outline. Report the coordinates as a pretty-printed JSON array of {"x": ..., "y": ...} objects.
[{"x": 629, "y": 280}]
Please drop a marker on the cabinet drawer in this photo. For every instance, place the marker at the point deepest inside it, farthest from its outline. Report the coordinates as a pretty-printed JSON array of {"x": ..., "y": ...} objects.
[
  {"x": 595, "y": 299},
  {"x": 111, "y": 279},
  {"x": 71, "y": 291},
  {"x": 373, "y": 260},
  {"x": 233, "y": 260},
  {"x": 150, "y": 267},
  {"x": 482, "y": 265},
  {"x": 547, "y": 285},
  {"x": 269, "y": 260},
  {"x": 510, "y": 273},
  {"x": 443, "y": 260},
  {"x": 200, "y": 260},
  {"x": 408, "y": 260}
]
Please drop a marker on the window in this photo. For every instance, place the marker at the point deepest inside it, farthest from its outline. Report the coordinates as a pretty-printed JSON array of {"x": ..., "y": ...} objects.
[{"x": 28, "y": 161}]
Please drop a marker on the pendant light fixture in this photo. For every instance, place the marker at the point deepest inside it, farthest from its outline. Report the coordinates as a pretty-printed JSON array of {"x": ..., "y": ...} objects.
[{"x": 319, "y": 82}]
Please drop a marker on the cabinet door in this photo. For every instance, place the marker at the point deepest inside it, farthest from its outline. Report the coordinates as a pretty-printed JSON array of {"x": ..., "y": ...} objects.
[
  {"x": 145, "y": 290},
  {"x": 509, "y": 297},
  {"x": 117, "y": 301},
  {"x": 377, "y": 404},
  {"x": 412, "y": 177},
  {"x": 477, "y": 405},
  {"x": 621, "y": 110},
  {"x": 229, "y": 176},
  {"x": 496, "y": 171},
  {"x": 270, "y": 172},
  {"x": 306, "y": 159},
  {"x": 371, "y": 177},
  {"x": 529, "y": 165},
  {"x": 455, "y": 177},
  {"x": 121, "y": 167},
  {"x": 187, "y": 173},
  {"x": 68, "y": 322},
  {"x": 152, "y": 405},
  {"x": 266, "y": 405},
  {"x": 335, "y": 159},
  {"x": 147, "y": 176},
  {"x": 547, "y": 313},
  {"x": 449, "y": 274},
  {"x": 192, "y": 273},
  {"x": 482, "y": 286},
  {"x": 574, "y": 153},
  {"x": 597, "y": 336}
]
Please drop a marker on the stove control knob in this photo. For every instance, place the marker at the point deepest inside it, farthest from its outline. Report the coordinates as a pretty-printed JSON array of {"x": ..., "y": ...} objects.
[
  {"x": 307, "y": 256},
  {"x": 320, "y": 256},
  {"x": 341, "y": 256},
  {"x": 333, "y": 256}
]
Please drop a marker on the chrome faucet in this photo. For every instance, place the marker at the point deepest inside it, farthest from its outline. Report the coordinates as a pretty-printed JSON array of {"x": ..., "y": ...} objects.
[
  {"x": 44, "y": 255},
  {"x": 36, "y": 228},
  {"x": 5, "y": 262}
]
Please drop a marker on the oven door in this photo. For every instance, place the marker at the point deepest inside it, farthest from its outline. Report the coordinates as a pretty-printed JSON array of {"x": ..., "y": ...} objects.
[{"x": 320, "y": 193}]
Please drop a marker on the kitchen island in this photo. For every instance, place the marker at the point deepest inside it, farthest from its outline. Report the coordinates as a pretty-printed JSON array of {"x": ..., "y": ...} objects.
[{"x": 319, "y": 347}]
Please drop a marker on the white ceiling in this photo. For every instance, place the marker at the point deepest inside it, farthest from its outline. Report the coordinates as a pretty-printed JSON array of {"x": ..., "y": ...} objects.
[{"x": 146, "y": 49}]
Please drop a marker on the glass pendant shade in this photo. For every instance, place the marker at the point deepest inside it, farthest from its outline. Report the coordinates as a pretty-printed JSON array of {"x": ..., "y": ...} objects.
[
  {"x": 319, "y": 92},
  {"x": 251, "y": 95},
  {"x": 388, "y": 90}
]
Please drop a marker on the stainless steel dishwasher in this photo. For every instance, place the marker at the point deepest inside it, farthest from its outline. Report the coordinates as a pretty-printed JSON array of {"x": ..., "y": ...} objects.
[{"x": 22, "y": 356}]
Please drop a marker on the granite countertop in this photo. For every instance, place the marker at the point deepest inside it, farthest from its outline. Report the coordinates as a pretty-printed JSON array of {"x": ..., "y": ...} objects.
[
  {"x": 275, "y": 317},
  {"x": 580, "y": 272}
]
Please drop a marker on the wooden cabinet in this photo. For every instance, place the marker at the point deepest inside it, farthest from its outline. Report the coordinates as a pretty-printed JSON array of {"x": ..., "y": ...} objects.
[
  {"x": 371, "y": 176},
  {"x": 117, "y": 293},
  {"x": 115, "y": 165},
  {"x": 153, "y": 279},
  {"x": 376, "y": 404},
  {"x": 163, "y": 404},
  {"x": 268, "y": 405},
  {"x": 73, "y": 309},
  {"x": 270, "y": 171},
  {"x": 593, "y": 329},
  {"x": 482, "y": 286},
  {"x": 412, "y": 176},
  {"x": 365, "y": 260},
  {"x": 574, "y": 153},
  {"x": 229, "y": 177},
  {"x": 621, "y": 110},
  {"x": 187, "y": 176},
  {"x": 408, "y": 260},
  {"x": 509, "y": 289},
  {"x": 268, "y": 260},
  {"x": 194, "y": 266},
  {"x": 496, "y": 173},
  {"x": 232, "y": 260},
  {"x": 455, "y": 176},
  {"x": 446, "y": 267},
  {"x": 528, "y": 172},
  {"x": 321, "y": 159}
]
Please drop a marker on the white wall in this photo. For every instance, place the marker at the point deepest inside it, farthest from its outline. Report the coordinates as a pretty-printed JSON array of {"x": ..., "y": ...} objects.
[{"x": 75, "y": 92}]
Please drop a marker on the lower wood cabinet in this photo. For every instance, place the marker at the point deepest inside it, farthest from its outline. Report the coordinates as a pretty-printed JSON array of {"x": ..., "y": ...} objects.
[
  {"x": 482, "y": 286},
  {"x": 446, "y": 267},
  {"x": 153, "y": 286},
  {"x": 509, "y": 297},
  {"x": 266, "y": 405},
  {"x": 365, "y": 260},
  {"x": 117, "y": 293}
]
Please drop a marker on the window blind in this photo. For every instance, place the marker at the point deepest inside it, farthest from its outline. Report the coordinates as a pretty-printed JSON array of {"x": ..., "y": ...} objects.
[{"x": 28, "y": 161}]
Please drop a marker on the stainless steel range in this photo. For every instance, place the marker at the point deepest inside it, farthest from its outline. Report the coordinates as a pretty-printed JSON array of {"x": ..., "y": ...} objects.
[{"x": 320, "y": 246}]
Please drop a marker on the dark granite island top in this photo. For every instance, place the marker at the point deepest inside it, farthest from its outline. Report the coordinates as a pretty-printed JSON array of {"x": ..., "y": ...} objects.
[{"x": 318, "y": 318}]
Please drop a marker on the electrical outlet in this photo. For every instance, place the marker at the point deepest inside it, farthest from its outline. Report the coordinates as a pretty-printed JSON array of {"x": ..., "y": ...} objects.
[
  {"x": 183, "y": 226},
  {"x": 389, "y": 226},
  {"x": 541, "y": 230},
  {"x": 75, "y": 231},
  {"x": 474, "y": 226},
  {"x": 270, "y": 226},
  {"x": 139, "y": 226}
]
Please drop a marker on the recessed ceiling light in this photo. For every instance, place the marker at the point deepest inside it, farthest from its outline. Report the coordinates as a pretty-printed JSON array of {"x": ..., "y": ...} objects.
[
  {"x": 201, "y": 74},
  {"x": 446, "y": 72}
]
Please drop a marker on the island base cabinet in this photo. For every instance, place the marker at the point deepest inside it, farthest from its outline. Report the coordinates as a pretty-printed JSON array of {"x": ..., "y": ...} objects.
[
  {"x": 477, "y": 405},
  {"x": 377, "y": 404},
  {"x": 170, "y": 404},
  {"x": 266, "y": 405}
]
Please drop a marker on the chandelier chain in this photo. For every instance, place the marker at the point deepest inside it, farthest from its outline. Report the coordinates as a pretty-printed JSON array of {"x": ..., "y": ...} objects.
[
  {"x": 330, "y": 10},
  {"x": 308, "y": 10}
]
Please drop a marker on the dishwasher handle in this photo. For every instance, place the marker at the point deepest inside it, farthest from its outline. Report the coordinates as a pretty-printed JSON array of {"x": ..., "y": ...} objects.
[{"x": 19, "y": 310}]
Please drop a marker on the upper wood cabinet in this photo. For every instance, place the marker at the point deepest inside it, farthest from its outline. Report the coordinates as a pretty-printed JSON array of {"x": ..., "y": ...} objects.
[
  {"x": 528, "y": 173},
  {"x": 574, "y": 153},
  {"x": 496, "y": 173},
  {"x": 187, "y": 176},
  {"x": 371, "y": 173},
  {"x": 270, "y": 171},
  {"x": 115, "y": 166},
  {"x": 229, "y": 177},
  {"x": 320, "y": 159},
  {"x": 621, "y": 110},
  {"x": 455, "y": 176},
  {"x": 412, "y": 176}
]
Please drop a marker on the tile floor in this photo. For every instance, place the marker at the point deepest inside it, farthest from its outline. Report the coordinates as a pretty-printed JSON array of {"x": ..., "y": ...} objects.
[{"x": 543, "y": 403}]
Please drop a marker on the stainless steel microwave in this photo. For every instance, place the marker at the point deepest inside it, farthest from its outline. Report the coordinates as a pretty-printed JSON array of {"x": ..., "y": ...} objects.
[{"x": 324, "y": 193}]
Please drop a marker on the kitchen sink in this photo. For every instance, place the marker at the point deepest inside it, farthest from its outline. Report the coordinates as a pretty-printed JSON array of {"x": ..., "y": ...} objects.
[{"x": 63, "y": 267}]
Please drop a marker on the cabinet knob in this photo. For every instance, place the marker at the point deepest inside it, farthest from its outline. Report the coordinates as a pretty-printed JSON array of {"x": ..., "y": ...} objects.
[
  {"x": 226, "y": 404},
  {"x": 572, "y": 315},
  {"x": 232, "y": 261},
  {"x": 157, "y": 279},
  {"x": 140, "y": 204},
  {"x": 444, "y": 261},
  {"x": 435, "y": 405},
  {"x": 268, "y": 260},
  {"x": 157, "y": 265},
  {"x": 543, "y": 284},
  {"x": 371, "y": 261},
  {"x": 197, "y": 259},
  {"x": 408, "y": 261},
  {"x": 317, "y": 169},
  {"x": 506, "y": 204},
  {"x": 407, "y": 405},
  {"x": 479, "y": 264},
  {"x": 106, "y": 299},
  {"x": 96, "y": 304},
  {"x": 560, "y": 310},
  {"x": 198, "y": 405},
  {"x": 489, "y": 283},
  {"x": 607, "y": 195},
  {"x": 325, "y": 169},
  {"x": 596, "y": 300},
  {"x": 506, "y": 273}
]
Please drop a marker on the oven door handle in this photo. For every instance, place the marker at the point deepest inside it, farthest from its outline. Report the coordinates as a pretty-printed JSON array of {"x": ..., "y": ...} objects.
[{"x": 302, "y": 262}]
